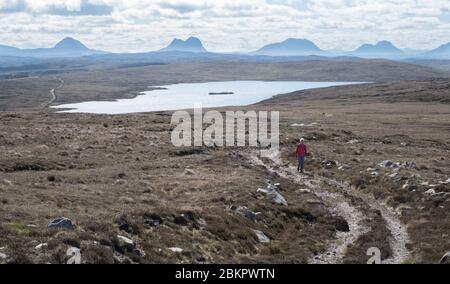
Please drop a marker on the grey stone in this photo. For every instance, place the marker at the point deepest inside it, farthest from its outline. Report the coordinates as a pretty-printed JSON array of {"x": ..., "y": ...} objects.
[
  {"x": 262, "y": 238},
  {"x": 275, "y": 197},
  {"x": 125, "y": 243},
  {"x": 61, "y": 224},
  {"x": 247, "y": 213}
]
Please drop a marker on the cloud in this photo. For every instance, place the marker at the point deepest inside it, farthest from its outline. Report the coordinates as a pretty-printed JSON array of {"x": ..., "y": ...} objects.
[
  {"x": 56, "y": 7},
  {"x": 224, "y": 25}
]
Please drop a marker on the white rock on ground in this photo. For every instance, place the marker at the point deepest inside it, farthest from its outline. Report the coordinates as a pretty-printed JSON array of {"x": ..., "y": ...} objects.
[
  {"x": 176, "y": 250},
  {"x": 41, "y": 246},
  {"x": 262, "y": 238},
  {"x": 273, "y": 195},
  {"x": 61, "y": 224},
  {"x": 126, "y": 241}
]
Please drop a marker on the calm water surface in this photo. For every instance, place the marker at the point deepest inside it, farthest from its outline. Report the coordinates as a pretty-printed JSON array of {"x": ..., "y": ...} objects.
[{"x": 187, "y": 96}]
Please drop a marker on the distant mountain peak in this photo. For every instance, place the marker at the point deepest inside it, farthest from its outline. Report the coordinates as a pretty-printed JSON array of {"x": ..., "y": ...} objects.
[
  {"x": 292, "y": 46},
  {"x": 442, "y": 52},
  {"x": 192, "y": 44},
  {"x": 381, "y": 47},
  {"x": 69, "y": 43}
]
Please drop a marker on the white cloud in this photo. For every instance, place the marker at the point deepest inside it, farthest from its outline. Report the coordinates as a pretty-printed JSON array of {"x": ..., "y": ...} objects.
[{"x": 142, "y": 25}]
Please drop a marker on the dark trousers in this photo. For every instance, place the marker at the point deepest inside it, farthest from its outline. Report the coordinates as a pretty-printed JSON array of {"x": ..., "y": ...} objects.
[{"x": 301, "y": 163}]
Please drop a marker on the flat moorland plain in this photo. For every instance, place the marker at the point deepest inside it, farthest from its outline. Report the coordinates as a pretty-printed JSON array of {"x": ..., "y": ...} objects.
[
  {"x": 100, "y": 81},
  {"x": 378, "y": 176}
]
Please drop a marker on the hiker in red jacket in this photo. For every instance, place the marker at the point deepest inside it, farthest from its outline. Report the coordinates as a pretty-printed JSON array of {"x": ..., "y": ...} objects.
[{"x": 301, "y": 155}]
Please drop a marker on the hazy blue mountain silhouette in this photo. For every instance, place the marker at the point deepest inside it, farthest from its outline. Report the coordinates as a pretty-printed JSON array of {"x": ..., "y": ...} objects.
[
  {"x": 291, "y": 47},
  {"x": 8, "y": 50},
  {"x": 71, "y": 44},
  {"x": 66, "y": 48},
  {"x": 383, "y": 49},
  {"x": 442, "y": 52},
  {"x": 192, "y": 44}
]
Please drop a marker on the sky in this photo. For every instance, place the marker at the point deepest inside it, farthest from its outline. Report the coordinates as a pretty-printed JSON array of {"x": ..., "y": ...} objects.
[{"x": 224, "y": 25}]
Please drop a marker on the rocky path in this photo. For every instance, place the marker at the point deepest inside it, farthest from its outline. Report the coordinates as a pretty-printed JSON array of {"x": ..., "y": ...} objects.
[
  {"x": 53, "y": 94},
  {"x": 340, "y": 205}
]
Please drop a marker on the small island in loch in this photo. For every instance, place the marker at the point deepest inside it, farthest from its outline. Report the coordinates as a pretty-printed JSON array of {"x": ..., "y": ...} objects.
[{"x": 221, "y": 94}]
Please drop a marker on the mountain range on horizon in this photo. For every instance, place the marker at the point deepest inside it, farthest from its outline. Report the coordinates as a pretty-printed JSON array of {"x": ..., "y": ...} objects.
[
  {"x": 192, "y": 44},
  {"x": 66, "y": 48},
  {"x": 291, "y": 47},
  {"x": 70, "y": 48},
  {"x": 382, "y": 49}
]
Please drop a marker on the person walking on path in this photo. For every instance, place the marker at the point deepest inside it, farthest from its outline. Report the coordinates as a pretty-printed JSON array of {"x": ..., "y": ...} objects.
[{"x": 301, "y": 154}]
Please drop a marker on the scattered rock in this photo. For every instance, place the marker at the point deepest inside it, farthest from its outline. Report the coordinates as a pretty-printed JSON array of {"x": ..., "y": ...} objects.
[
  {"x": 262, "y": 238},
  {"x": 120, "y": 182},
  {"x": 125, "y": 243},
  {"x": 41, "y": 246},
  {"x": 74, "y": 255},
  {"x": 61, "y": 224},
  {"x": 275, "y": 197},
  {"x": 247, "y": 213},
  {"x": 189, "y": 152},
  {"x": 181, "y": 220},
  {"x": 386, "y": 164},
  {"x": 391, "y": 164},
  {"x": 176, "y": 250},
  {"x": 430, "y": 192},
  {"x": 189, "y": 172},
  {"x": 121, "y": 259},
  {"x": 328, "y": 164},
  {"x": 445, "y": 259},
  {"x": 153, "y": 220}
]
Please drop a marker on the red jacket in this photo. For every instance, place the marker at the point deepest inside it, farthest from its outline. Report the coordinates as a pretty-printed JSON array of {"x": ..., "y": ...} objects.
[{"x": 301, "y": 150}]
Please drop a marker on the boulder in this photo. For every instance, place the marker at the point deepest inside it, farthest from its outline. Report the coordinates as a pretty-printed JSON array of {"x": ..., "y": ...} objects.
[
  {"x": 125, "y": 243},
  {"x": 247, "y": 213},
  {"x": 386, "y": 164},
  {"x": 181, "y": 220},
  {"x": 61, "y": 224},
  {"x": 262, "y": 238},
  {"x": 275, "y": 197}
]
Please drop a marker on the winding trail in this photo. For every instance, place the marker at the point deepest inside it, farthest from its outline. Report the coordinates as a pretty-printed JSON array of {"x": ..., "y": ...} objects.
[
  {"x": 53, "y": 94},
  {"x": 340, "y": 205}
]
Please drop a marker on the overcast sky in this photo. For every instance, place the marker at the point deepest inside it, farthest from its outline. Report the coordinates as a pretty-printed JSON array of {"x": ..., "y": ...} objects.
[{"x": 224, "y": 25}]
